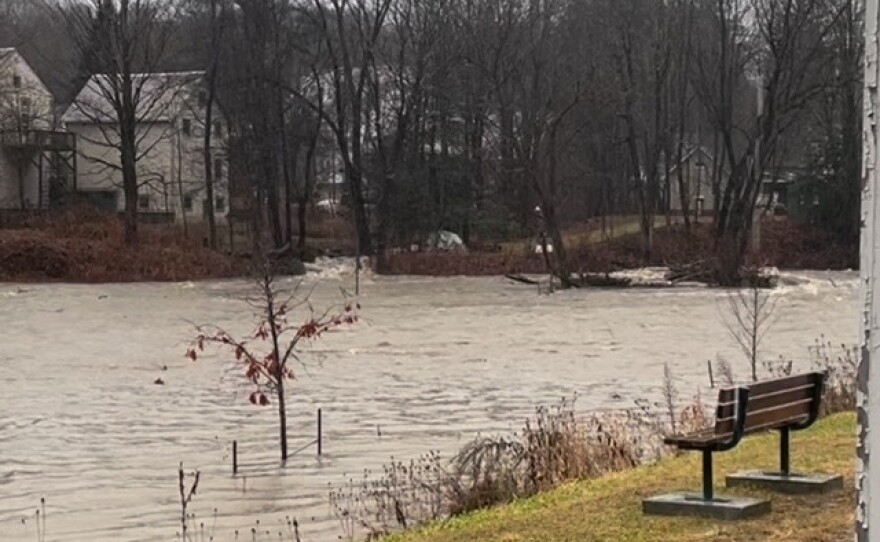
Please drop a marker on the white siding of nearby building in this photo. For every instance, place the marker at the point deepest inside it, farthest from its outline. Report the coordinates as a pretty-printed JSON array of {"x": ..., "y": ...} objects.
[
  {"x": 171, "y": 173},
  {"x": 25, "y": 104}
]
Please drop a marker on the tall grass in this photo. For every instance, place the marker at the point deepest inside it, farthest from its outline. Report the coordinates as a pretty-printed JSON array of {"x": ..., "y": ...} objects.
[{"x": 554, "y": 446}]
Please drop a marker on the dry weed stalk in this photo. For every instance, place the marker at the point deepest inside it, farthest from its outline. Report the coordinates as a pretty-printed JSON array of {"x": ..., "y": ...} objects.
[{"x": 186, "y": 496}]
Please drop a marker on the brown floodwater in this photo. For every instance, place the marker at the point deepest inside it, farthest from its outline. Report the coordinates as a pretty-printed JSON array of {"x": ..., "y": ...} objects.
[{"x": 434, "y": 362}]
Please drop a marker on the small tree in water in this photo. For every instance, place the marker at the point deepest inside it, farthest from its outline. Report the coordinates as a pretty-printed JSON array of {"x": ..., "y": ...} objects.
[
  {"x": 749, "y": 317},
  {"x": 265, "y": 356}
]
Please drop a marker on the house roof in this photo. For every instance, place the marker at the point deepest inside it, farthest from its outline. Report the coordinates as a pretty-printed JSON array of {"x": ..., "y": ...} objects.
[{"x": 156, "y": 95}]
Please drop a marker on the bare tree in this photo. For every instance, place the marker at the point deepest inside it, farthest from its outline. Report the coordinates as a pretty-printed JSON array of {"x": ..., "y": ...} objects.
[
  {"x": 753, "y": 76},
  {"x": 351, "y": 30},
  {"x": 748, "y": 317},
  {"x": 269, "y": 371},
  {"x": 119, "y": 41},
  {"x": 212, "y": 18}
]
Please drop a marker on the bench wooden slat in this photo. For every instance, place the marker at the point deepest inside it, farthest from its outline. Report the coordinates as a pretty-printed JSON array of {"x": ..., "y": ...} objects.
[
  {"x": 774, "y": 415},
  {"x": 768, "y": 400},
  {"x": 778, "y": 416},
  {"x": 695, "y": 440},
  {"x": 780, "y": 384}
]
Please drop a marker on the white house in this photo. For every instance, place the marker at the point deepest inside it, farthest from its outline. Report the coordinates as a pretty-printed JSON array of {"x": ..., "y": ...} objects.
[
  {"x": 170, "y": 131},
  {"x": 36, "y": 161}
]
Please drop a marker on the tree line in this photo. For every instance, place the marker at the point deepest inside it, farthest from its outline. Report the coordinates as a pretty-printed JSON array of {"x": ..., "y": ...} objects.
[{"x": 495, "y": 119}]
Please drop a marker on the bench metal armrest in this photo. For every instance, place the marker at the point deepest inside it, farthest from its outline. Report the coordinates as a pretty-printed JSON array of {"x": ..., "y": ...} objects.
[
  {"x": 739, "y": 426},
  {"x": 815, "y": 407}
]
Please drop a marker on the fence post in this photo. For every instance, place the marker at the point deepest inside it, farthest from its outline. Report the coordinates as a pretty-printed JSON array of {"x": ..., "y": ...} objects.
[
  {"x": 711, "y": 378},
  {"x": 319, "y": 433},
  {"x": 234, "y": 457}
]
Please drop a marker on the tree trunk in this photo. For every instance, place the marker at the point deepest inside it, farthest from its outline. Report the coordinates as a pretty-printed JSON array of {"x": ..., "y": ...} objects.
[
  {"x": 272, "y": 201},
  {"x": 208, "y": 157},
  {"x": 282, "y": 417},
  {"x": 177, "y": 172},
  {"x": 288, "y": 172},
  {"x": 129, "y": 185},
  {"x": 301, "y": 217},
  {"x": 361, "y": 221},
  {"x": 21, "y": 191},
  {"x": 548, "y": 212}
]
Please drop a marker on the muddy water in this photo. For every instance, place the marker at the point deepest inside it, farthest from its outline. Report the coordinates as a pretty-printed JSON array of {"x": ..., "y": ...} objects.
[{"x": 83, "y": 425}]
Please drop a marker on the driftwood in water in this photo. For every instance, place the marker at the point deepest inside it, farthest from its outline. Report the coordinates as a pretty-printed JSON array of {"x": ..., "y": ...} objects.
[
  {"x": 603, "y": 280},
  {"x": 698, "y": 271},
  {"x": 705, "y": 271},
  {"x": 522, "y": 279}
]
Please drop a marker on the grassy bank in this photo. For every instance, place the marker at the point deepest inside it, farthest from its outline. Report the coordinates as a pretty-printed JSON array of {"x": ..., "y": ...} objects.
[{"x": 609, "y": 508}]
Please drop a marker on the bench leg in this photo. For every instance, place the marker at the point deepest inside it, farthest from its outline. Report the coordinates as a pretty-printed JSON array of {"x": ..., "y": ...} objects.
[
  {"x": 708, "y": 493},
  {"x": 784, "y": 453},
  {"x": 705, "y": 505}
]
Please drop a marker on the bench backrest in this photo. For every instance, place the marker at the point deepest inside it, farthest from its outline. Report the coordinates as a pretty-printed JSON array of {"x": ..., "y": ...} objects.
[{"x": 792, "y": 401}]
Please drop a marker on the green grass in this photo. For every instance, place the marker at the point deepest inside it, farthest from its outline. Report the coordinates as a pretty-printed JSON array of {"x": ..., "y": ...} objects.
[{"x": 609, "y": 508}]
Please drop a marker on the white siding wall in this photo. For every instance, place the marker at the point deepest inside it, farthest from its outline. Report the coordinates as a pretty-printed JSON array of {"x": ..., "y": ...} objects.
[
  {"x": 25, "y": 103},
  {"x": 170, "y": 174}
]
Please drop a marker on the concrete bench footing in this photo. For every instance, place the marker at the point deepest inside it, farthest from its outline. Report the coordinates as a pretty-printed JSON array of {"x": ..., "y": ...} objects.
[
  {"x": 689, "y": 504},
  {"x": 791, "y": 483}
]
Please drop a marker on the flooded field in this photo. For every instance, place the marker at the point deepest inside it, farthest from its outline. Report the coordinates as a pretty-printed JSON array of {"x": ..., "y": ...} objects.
[{"x": 83, "y": 425}]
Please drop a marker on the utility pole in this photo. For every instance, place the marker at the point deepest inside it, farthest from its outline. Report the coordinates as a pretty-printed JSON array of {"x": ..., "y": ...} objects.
[
  {"x": 759, "y": 165},
  {"x": 867, "y": 398}
]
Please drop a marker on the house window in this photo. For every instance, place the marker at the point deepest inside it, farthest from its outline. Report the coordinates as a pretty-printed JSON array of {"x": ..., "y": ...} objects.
[
  {"x": 25, "y": 101},
  {"x": 218, "y": 130},
  {"x": 203, "y": 98},
  {"x": 218, "y": 168},
  {"x": 187, "y": 127},
  {"x": 144, "y": 203},
  {"x": 16, "y": 81},
  {"x": 220, "y": 204},
  {"x": 187, "y": 203}
]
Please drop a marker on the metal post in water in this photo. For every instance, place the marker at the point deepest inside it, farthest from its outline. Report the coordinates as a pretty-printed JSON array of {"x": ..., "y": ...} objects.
[
  {"x": 234, "y": 457},
  {"x": 357, "y": 265},
  {"x": 319, "y": 433},
  {"x": 711, "y": 378}
]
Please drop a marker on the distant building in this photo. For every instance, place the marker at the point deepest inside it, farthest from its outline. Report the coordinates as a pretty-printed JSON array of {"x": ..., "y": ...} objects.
[
  {"x": 37, "y": 161},
  {"x": 695, "y": 169},
  {"x": 170, "y": 163}
]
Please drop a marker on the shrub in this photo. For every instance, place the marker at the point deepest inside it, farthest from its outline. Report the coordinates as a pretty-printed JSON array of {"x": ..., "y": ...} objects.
[
  {"x": 85, "y": 245},
  {"x": 841, "y": 365}
]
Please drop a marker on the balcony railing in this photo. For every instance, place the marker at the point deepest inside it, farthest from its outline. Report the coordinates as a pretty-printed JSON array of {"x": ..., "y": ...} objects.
[{"x": 46, "y": 140}]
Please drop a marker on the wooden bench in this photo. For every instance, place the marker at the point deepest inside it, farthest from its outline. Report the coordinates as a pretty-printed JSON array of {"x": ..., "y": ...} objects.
[{"x": 785, "y": 405}]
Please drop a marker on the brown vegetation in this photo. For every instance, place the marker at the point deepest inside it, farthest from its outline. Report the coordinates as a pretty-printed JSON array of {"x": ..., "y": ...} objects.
[
  {"x": 83, "y": 245},
  {"x": 784, "y": 243}
]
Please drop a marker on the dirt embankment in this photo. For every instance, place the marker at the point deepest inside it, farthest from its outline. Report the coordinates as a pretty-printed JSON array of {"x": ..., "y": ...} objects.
[
  {"x": 784, "y": 244},
  {"x": 86, "y": 246}
]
